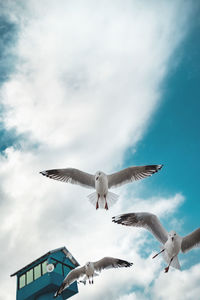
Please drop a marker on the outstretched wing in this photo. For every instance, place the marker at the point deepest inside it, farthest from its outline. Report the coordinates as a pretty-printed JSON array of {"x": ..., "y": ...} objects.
[
  {"x": 69, "y": 279},
  {"x": 130, "y": 174},
  {"x": 71, "y": 175},
  {"x": 146, "y": 220},
  {"x": 110, "y": 262},
  {"x": 191, "y": 240}
]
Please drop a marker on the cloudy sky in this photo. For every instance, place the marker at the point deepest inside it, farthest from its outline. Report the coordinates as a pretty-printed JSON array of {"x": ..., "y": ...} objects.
[{"x": 99, "y": 85}]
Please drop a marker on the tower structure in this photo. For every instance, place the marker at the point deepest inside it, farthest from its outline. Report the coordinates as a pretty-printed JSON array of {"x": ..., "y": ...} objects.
[{"x": 40, "y": 279}]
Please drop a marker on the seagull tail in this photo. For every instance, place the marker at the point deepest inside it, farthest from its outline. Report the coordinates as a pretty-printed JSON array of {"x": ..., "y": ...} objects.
[
  {"x": 93, "y": 198},
  {"x": 111, "y": 199},
  {"x": 175, "y": 262}
]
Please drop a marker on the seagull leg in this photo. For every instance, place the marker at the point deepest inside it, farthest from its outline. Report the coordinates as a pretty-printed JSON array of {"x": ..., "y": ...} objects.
[
  {"x": 92, "y": 280},
  {"x": 158, "y": 253},
  {"x": 167, "y": 268},
  {"x": 106, "y": 204},
  {"x": 97, "y": 204}
]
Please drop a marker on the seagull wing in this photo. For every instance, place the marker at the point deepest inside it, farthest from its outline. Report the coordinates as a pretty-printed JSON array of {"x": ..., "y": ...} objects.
[
  {"x": 130, "y": 174},
  {"x": 69, "y": 279},
  {"x": 146, "y": 220},
  {"x": 190, "y": 241},
  {"x": 110, "y": 262},
  {"x": 73, "y": 176}
]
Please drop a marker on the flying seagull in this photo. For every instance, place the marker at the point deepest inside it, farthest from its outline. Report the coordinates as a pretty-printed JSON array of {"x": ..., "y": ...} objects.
[
  {"x": 88, "y": 271},
  {"x": 172, "y": 243},
  {"x": 101, "y": 182}
]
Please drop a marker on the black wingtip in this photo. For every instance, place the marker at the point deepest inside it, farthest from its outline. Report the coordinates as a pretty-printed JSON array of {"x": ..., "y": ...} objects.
[
  {"x": 119, "y": 219},
  {"x": 125, "y": 219},
  {"x": 125, "y": 263},
  {"x": 129, "y": 264},
  {"x": 43, "y": 173},
  {"x": 56, "y": 295},
  {"x": 159, "y": 167},
  {"x": 116, "y": 219}
]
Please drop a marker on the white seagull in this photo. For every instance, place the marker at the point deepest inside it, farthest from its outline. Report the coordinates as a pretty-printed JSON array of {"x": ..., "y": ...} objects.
[
  {"x": 101, "y": 182},
  {"x": 88, "y": 271},
  {"x": 172, "y": 243}
]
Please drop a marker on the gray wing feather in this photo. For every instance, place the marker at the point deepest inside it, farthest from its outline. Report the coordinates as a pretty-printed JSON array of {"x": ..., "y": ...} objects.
[
  {"x": 146, "y": 220},
  {"x": 131, "y": 174},
  {"x": 70, "y": 278},
  {"x": 71, "y": 175},
  {"x": 191, "y": 240},
  {"x": 110, "y": 262}
]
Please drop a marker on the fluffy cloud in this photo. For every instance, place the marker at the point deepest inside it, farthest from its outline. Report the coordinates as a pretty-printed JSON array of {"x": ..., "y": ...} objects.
[
  {"x": 87, "y": 82},
  {"x": 89, "y": 75},
  {"x": 179, "y": 285}
]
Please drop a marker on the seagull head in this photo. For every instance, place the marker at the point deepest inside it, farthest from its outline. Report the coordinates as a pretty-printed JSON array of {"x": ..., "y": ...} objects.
[
  {"x": 98, "y": 175},
  {"x": 172, "y": 235},
  {"x": 88, "y": 264}
]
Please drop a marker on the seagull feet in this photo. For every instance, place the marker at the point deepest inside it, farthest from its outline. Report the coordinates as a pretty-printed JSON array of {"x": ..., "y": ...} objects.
[
  {"x": 158, "y": 253},
  {"x": 97, "y": 204},
  {"x": 106, "y": 204},
  {"x": 92, "y": 281},
  {"x": 166, "y": 269}
]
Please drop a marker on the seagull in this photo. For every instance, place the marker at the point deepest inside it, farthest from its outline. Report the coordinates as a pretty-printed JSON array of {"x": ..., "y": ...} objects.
[
  {"x": 89, "y": 270},
  {"x": 101, "y": 182},
  {"x": 172, "y": 243}
]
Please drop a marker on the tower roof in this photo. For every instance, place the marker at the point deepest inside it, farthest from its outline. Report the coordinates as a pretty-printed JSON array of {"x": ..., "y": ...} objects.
[{"x": 63, "y": 249}]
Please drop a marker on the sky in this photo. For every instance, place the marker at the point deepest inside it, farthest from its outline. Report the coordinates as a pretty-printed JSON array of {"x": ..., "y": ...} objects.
[{"x": 99, "y": 86}]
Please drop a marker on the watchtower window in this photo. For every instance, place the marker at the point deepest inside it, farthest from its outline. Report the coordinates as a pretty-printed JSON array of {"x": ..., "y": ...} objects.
[
  {"x": 22, "y": 281},
  {"x": 44, "y": 267},
  {"x": 33, "y": 274},
  {"x": 29, "y": 276},
  {"x": 37, "y": 271}
]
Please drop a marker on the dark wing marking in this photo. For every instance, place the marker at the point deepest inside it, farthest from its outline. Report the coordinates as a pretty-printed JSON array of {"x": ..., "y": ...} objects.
[
  {"x": 130, "y": 174},
  {"x": 146, "y": 220},
  {"x": 71, "y": 175},
  {"x": 110, "y": 262}
]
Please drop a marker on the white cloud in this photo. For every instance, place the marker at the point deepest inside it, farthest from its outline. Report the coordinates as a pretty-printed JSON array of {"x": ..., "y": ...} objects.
[
  {"x": 88, "y": 81},
  {"x": 179, "y": 285},
  {"x": 89, "y": 75}
]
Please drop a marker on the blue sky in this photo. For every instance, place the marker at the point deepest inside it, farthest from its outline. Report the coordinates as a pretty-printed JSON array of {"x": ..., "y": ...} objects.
[
  {"x": 173, "y": 134},
  {"x": 100, "y": 89}
]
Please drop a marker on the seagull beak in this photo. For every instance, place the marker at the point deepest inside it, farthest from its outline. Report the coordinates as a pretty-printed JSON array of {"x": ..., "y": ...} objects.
[
  {"x": 172, "y": 239},
  {"x": 97, "y": 178}
]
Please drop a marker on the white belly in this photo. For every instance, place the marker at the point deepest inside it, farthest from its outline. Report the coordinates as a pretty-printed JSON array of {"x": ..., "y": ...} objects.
[
  {"x": 90, "y": 271},
  {"x": 101, "y": 186},
  {"x": 172, "y": 249}
]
